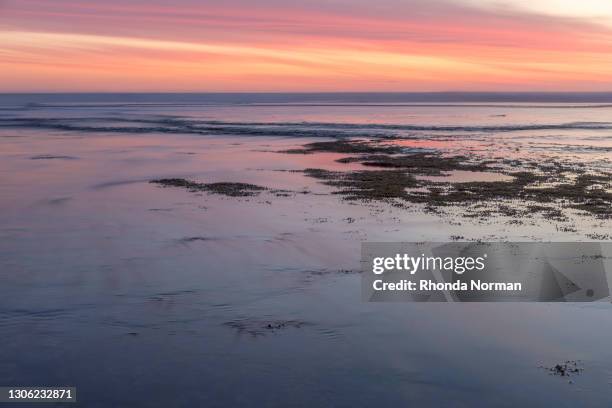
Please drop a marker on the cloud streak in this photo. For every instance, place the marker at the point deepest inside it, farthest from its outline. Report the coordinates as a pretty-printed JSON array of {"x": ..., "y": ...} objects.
[{"x": 276, "y": 46}]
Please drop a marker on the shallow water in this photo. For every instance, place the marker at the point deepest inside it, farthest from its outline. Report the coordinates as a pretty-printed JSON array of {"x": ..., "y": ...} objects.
[
  {"x": 464, "y": 176},
  {"x": 141, "y": 295}
]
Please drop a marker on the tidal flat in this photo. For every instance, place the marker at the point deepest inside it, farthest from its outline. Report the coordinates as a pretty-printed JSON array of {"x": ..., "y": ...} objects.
[{"x": 212, "y": 252}]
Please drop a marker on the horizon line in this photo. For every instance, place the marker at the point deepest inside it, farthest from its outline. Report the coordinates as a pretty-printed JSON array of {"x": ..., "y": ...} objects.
[{"x": 305, "y": 92}]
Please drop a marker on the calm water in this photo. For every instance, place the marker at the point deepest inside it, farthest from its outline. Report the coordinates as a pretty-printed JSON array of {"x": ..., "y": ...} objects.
[{"x": 143, "y": 296}]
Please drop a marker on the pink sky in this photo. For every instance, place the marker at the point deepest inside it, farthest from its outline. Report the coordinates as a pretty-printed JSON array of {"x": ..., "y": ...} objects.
[{"x": 333, "y": 45}]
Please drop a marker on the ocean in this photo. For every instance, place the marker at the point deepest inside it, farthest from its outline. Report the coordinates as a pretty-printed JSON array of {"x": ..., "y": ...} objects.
[{"x": 142, "y": 295}]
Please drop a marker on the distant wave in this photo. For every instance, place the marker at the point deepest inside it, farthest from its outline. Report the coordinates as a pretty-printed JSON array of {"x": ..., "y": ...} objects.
[
  {"x": 506, "y": 105},
  {"x": 383, "y": 126},
  {"x": 180, "y": 125}
]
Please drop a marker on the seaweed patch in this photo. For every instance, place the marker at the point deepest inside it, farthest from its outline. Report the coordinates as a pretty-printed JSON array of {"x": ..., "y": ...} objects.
[
  {"x": 223, "y": 188},
  {"x": 531, "y": 188}
]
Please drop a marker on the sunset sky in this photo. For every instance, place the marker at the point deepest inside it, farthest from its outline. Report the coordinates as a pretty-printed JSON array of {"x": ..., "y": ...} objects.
[{"x": 315, "y": 45}]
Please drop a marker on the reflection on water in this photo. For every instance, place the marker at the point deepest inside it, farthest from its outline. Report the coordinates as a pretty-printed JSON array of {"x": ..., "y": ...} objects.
[
  {"x": 463, "y": 176},
  {"x": 148, "y": 296}
]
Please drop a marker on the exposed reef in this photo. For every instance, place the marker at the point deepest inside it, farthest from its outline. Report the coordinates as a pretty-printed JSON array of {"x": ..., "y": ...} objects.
[{"x": 223, "y": 188}]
